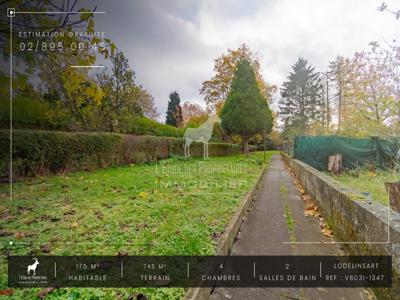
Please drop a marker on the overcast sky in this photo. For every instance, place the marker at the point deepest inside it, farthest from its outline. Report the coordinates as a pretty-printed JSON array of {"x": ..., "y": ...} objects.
[{"x": 171, "y": 44}]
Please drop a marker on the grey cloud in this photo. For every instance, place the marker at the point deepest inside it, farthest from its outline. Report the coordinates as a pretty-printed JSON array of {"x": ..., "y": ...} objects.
[{"x": 172, "y": 44}]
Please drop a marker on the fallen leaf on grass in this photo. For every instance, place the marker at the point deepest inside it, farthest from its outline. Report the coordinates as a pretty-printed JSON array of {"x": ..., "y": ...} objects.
[
  {"x": 74, "y": 225},
  {"x": 143, "y": 195},
  {"x": 99, "y": 215},
  {"x": 6, "y": 292},
  {"x": 124, "y": 227},
  {"x": 69, "y": 212},
  {"x": 45, "y": 249},
  {"x": 140, "y": 226},
  {"x": 116, "y": 189},
  {"x": 137, "y": 297},
  {"x": 4, "y": 232},
  {"x": 9, "y": 218},
  {"x": 19, "y": 235},
  {"x": 23, "y": 209},
  {"x": 28, "y": 221},
  {"x": 43, "y": 293}
]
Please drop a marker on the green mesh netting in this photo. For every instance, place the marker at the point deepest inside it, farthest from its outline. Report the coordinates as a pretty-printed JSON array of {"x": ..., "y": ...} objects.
[{"x": 315, "y": 151}]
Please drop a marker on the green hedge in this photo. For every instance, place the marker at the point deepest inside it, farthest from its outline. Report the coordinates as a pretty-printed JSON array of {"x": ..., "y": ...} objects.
[
  {"x": 146, "y": 126},
  {"x": 39, "y": 152}
]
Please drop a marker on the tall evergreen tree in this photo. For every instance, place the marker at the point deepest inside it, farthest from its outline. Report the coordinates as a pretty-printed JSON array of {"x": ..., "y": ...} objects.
[
  {"x": 339, "y": 71},
  {"x": 245, "y": 111},
  {"x": 174, "y": 111},
  {"x": 301, "y": 103}
]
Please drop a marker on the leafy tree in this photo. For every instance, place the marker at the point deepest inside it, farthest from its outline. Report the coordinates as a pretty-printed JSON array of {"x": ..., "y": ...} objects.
[
  {"x": 174, "y": 111},
  {"x": 216, "y": 89},
  {"x": 146, "y": 102},
  {"x": 73, "y": 95},
  {"x": 62, "y": 23},
  {"x": 120, "y": 91},
  {"x": 372, "y": 93},
  {"x": 301, "y": 103},
  {"x": 245, "y": 111},
  {"x": 78, "y": 94},
  {"x": 193, "y": 113},
  {"x": 123, "y": 98}
]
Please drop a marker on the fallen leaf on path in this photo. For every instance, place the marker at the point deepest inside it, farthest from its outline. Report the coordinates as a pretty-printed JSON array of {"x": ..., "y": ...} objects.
[
  {"x": 301, "y": 190},
  {"x": 327, "y": 232}
]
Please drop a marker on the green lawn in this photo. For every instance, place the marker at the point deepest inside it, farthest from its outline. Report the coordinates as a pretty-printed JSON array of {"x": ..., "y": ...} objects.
[
  {"x": 365, "y": 181},
  {"x": 173, "y": 207}
]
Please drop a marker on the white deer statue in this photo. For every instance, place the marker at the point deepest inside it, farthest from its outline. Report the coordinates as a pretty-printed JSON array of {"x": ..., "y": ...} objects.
[
  {"x": 33, "y": 266},
  {"x": 201, "y": 134}
]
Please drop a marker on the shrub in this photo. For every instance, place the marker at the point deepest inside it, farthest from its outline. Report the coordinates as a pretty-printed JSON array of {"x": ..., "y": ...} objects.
[
  {"x": 137, "y": 149},
  {"x": 39, "y": 152},
  {"x": 26, "y": 113},
  {"x": 146, "y": 126}
]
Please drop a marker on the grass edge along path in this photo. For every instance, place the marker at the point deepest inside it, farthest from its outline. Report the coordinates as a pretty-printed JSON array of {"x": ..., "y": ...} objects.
[{"x": 148, "y": 209}]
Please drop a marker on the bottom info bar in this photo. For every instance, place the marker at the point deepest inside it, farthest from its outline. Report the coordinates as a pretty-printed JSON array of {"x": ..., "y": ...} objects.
[{"x": 198, "y": 271}]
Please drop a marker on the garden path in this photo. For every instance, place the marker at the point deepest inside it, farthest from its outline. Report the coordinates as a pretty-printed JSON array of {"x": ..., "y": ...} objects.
[{"x": 265, "y": 231}]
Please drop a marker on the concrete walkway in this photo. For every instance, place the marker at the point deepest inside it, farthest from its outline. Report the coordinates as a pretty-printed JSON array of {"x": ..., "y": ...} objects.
[{"x": 265, "y": 231}]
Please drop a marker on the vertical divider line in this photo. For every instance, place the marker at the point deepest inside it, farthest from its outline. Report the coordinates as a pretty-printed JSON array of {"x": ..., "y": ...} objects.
[{"x": 11, "y": 109}]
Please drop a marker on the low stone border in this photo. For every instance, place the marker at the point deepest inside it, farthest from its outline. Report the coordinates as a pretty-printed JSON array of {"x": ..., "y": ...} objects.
[
  {"x": 228, "y": 238},
  {"x": 359, "y": 223}
]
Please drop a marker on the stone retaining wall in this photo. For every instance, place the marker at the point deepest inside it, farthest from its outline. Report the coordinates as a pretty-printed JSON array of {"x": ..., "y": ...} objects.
[{"x": 365, "y": 227}]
